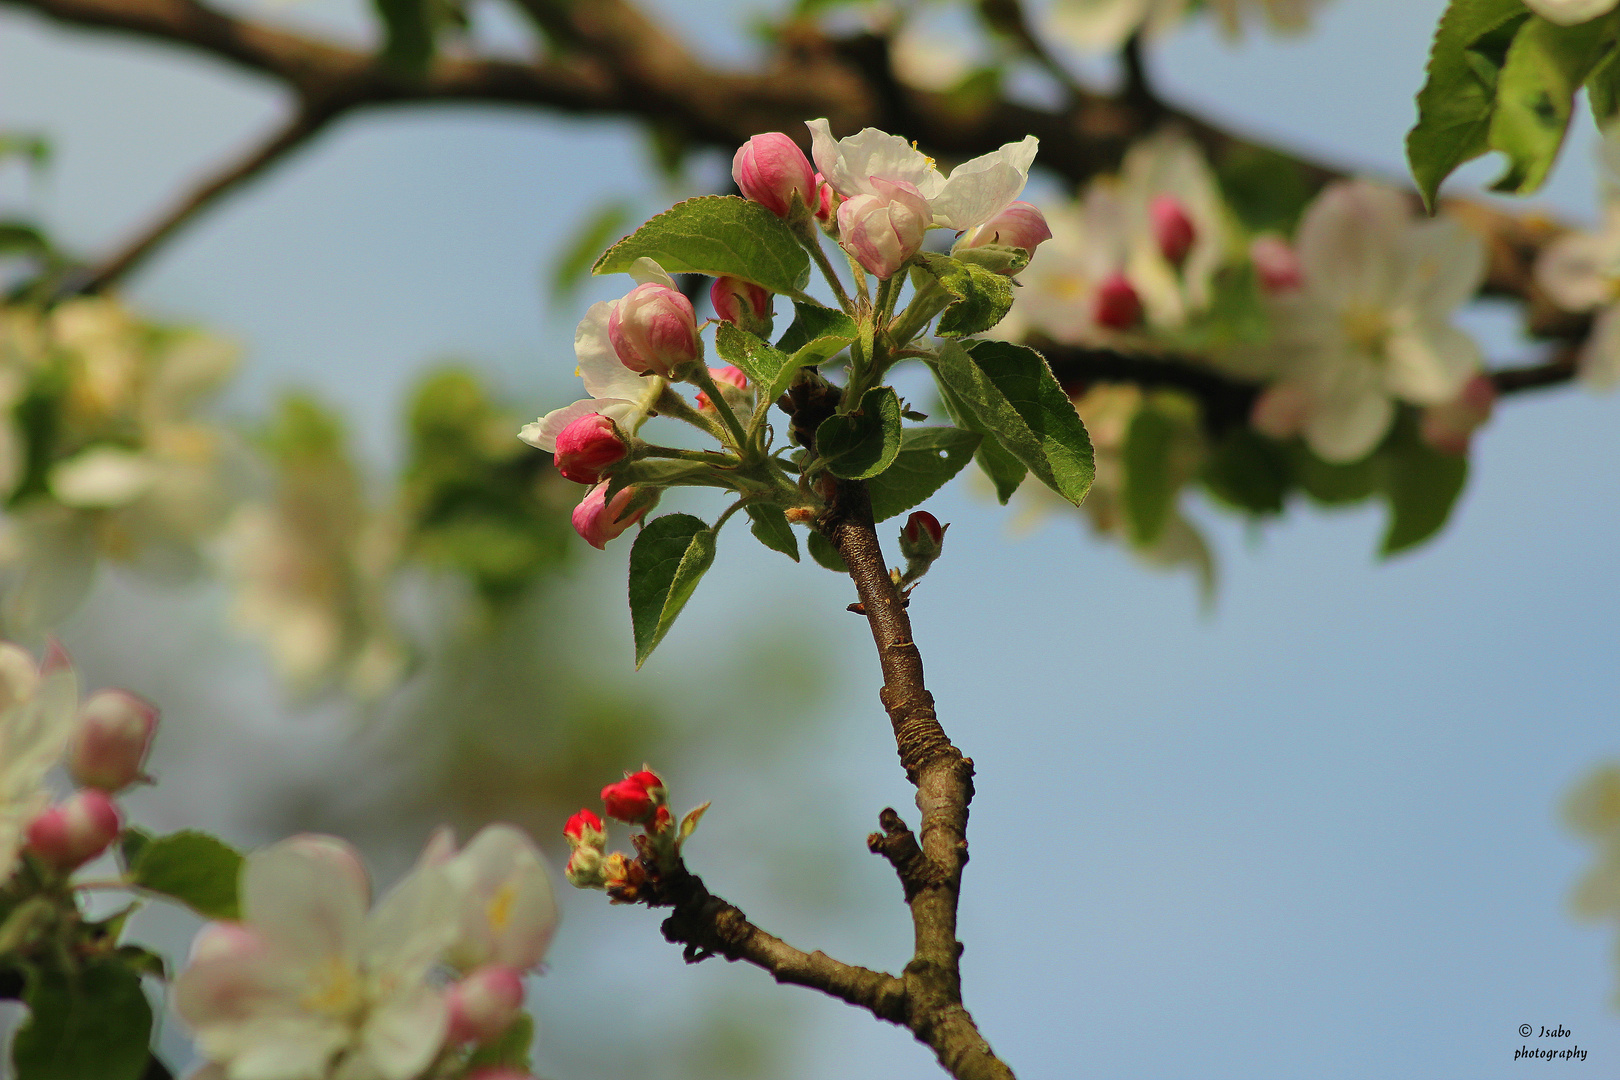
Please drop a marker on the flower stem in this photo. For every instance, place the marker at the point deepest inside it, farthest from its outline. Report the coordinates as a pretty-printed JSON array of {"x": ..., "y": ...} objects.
[{"x": 700, "y": 375}]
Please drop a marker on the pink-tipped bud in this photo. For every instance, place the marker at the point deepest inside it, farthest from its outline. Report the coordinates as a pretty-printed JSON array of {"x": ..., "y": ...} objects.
[
  {"x": 1280, "y": 411},
  {"x": 588, "y": 447},
  {"x": 654, "y": 331},
  {"x": 484, "y": 1004},
  {"x": 827, "y": 201},
  {"x": 882, "y": 231},
  {"x": 1275, "y": 263},
  {"x": 1116, "y": 304},
  {"x": 1021, "y": 225},
  {"x": 584, "y": 829},
  {"x": 742, "y": 304},
  {"x": 76, "y": 830},
  {"x": 114, "y": 733},
  {"x": 598, "y": 521},
  {"x": 922, "y": 531},
  {"x": 1450, "y": 427},
  {"x": 724, "y": 377},
  {"x": 1173, "y": 230},
  {"x": 634, "y": 799},
  {"x": 770, "y": 169}
]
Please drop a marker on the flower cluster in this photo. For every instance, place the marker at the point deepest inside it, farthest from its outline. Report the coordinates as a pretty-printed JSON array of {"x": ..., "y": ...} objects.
[
  {"x": 639, "y": 799},
  {"x": 314, "y": 982},
  {"x": 1580, "y": 271}
]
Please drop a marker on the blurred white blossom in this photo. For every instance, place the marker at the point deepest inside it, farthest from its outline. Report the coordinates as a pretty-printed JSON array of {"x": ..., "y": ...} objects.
[
  {"x": 38, "y": 716},
  {"x": 1104, "y": 25}
]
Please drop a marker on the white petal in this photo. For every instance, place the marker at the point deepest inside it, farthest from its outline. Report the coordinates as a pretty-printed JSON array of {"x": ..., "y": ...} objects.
[
  {"x": 980, "y": 189},
  {"x": 402, "y": 1035},
  {"x": 1577, "y": 271},
  {"x": 1101, "y": 25},
  {"x": 542, "y": 434},
  {"x": 1428, "y": 364},
  {"x": 1349, "y": 242},
  {"x": 1570, "y": 12},
  {"x": 304, "y": 905},
  {"x": 412, "y": 926},
  {"x": 1347, "y": 427},
  {"x": 1445, "y": 266},
  {"x": 102, "y": 477},
  {"x": 1599, "y": 363},
  {"x": 276, "y": 1047},
  {"x": 604, "y": 374},
  {"x": 508, "y": 908},
  {"x": 850, "y": 164},
  {"x": 646, "y": 271}
]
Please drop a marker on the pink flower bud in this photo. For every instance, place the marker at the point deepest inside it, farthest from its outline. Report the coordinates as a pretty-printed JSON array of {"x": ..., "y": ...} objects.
[
  {"x": 635, "y": 799},
  {"x": 1021, "y": 225},
  {"x": 484, "y": 1004},
  {"x": 882, "y": 231},
  {"x": 742, "y": 304},
  {"x": 922, "y": 526},
  {"x": 588, "y": 447},
  {"x": 115, "y": 731},
  {"x": 653, "y": 330},
  {"x": 1276, "y": 263},
  {"x": 584, "y": 829},
  {"x": 724, "y": 376},
  {"x": 598, "y": 521},
  {"x": 1450, "y": 427},
  {"x": 827, "y": 200},
  {"x": 1116, "y": 304},
  {"x": 1280, "y": 411},
  {"x": 770, "y": 169},
  {"x": 1173, "y": 230},
  {"x": 76, "y": 830}
]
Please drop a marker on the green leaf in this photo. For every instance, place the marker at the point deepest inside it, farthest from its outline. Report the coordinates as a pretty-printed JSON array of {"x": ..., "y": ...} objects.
[
  {"x": 1248, "y": 471},
  {"x": 667, "y": 561},
  {"x": 131, "y": 843},
  {"x": 1265, "y": 189},
  {"x": 770, "y": 527},
  {"x": 35, "y": 148},
  {"x": 1013, "y": 394},
  {"x": 1535, "y": 94},
  {"x": 928, "y": 458},
  {"x": 20, "y": 236},
  {"x": 142, "y": 960},
  {"x": 510, "y": 1051},
  {"x": 1149, "y": 489},
  {"x": 193, "y": 868},
  {"x": 828, "y": 330},
  {"x": 823, "y": 552},
  {"x": 1421, "y": 485},
  {"x": 861, "y": 444},
  {"x": 408, "y": 32},
  {"x": 573, "y": 264},
  {"x": 92, "y": 1024},
  {"x": 769, "y": 370},
  {"x": 982, "y": 297},
  {"x": 716, "y": 235},
  {"x": 1457, "y": 100},
  {"x": 1005, "y": 471},
  {"x": 1334, "y": 484},
  {"x": 1603, "y": 88}
]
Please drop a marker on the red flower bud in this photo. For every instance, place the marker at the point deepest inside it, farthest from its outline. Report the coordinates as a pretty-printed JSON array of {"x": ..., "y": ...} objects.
[
  {"x": 484, "y": 1004},
  {"x": 743, "y": 304},
  {"x": 1116, "y": 304},
  {"x": 635, "y": 799},
  {"x": 654, "y": 331},
  {"x": 727, "y": 375},
  {"x": 1276, "y": 263},
  {"x": 588, "y": 447},
  {"x": 922, "y": 537},
  {"x": 770, "y": 169},
  {"x": 115, "y": 731},
  {"x": 585, "y": 829},
  {"x": 1172, "y": 228},
  {"x": 76, "y": 830},
  {"x": 598, "y": 521}
]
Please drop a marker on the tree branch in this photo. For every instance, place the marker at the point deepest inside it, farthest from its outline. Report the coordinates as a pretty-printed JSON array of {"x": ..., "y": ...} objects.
[{"x": 932, "y": 873}]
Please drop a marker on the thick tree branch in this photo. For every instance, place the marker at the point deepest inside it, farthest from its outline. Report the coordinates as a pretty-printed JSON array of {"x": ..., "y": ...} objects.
[{"x": 932, "y": 873}]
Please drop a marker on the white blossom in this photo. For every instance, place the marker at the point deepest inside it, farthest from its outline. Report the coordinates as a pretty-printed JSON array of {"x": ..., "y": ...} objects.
[
  {"x": 38, "y": 715},
  {"x": 1581, "y": 272},
  {"x": 1105, "y": 25},
  {"x": 507, "y": 911}
]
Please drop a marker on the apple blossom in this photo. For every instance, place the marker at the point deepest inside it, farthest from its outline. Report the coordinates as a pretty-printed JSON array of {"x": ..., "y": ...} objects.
[
  {"x": 507, "y": 910},
  {"x": 76, "y": 830},
  {"x": 1370, "y": 323},
  {"x": 1581, "y": 272},
  {"x": 1020, "y": 225},
  {"x": 743, "y": 304},
  {"x": 1106, "y": 25},
  {"x": 114, "y": 734},
  {"x": 770, "y": 169},
  {"x": 881, "y": 231},
  {"x": 827, "y": 201},
  {"x": 484, "y": 1004},
  {"x": 588, "y": 447},
  {"x": 584, "y": 829},
  {"x": 654, "y": 331},
  {"x": 636, "y": 798},
  {"x": 309, "y": 982},
  {"x": 1090, "y": 244},
  {"x": 871, "y": 162},
  {"x": 922, "y": 536},
  {"x": 1175, "y": 223},
  {"x": 597, "y": 521},
  {"x": 38, "y": 710}
]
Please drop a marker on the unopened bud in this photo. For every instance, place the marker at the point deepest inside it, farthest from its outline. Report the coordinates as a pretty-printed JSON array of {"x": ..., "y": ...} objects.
[
  {"x": 827, "y": 201},
  {"x": 635, "y": 798},
  {"x": 484, "y": 1004},
  {"x": 724, "y": 377},
  {"x": 586, "y": 868},
  {"x": 1280, "y": 411},
  {"x": 1450, "y": 427},
  {"x": 76, "y": 830},
  {"x": 1021, "y": 225},
  {"x": 588, "y": 447},
  {"x": 882, "y": 231},
  {"x": 770, "y": 169},
  {"x": 598, "y": 521},
  {"x": 109, "y": 747},
  {"x": 1173, "y": 230},
  {"x": 1276, "y": 263},
  {"x": 585, "y": 829},
  {"x": 922, "y": 537},
  {"x": 654, "y": 331},
  {"x": 1116, "y": 304},
  {"x": 742, "y": 304}
]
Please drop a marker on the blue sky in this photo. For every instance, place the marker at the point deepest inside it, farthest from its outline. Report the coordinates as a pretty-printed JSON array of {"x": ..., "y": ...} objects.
[{"x": 1312, "y": 832}]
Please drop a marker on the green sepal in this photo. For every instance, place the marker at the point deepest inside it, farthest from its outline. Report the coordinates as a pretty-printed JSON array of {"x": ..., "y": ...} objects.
[
  {"x": 982, "y": 297},
  {"x": 770, "y": 527},
  {"x": 928, "y": 458},
  {"x": 667, "y": 561},
  {"x": 93, "y": 1023},
  {"x": 823, "y": 552},
  {"x": 999, "y": 259},
  {"x": 718, "y": 235},
  {"x": 509, "y": 1051},
  {"x": 860, "y": 444},
  {"x": 193, "y": 868}
]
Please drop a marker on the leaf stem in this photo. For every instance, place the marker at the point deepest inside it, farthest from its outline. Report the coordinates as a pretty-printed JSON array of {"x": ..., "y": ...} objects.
[
  {"x": 810, "y": 237},
  {"x": 700, "y": 375}
]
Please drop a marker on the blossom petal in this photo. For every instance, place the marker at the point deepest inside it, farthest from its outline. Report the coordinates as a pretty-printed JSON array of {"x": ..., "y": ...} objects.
[
  {"x": 509, "y": 911},
  {"x": 1346, "y": 427},
  {"x": 1578, "y": 270},
  {"x": 1349, "y": 242},
  {"x": 1599, "y": 364},
  {"x": 604, "y": 373},
  {"x": 403, "y": 1034},
  {"x": 1445, "y": 266},
  {"x": 542, "y": 434},
  {"x": 978, "y": 190},
  {"x": 411, "y": 928},
  {"x": 850, "y": 164},
  {"x": 1428, "y": 364},
  {"x": 275, "y": 1047},
  {"x": 645, "y": 271},
  {"x": 1570, "y": 12},
  {"x": 300, "y": 897}
]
